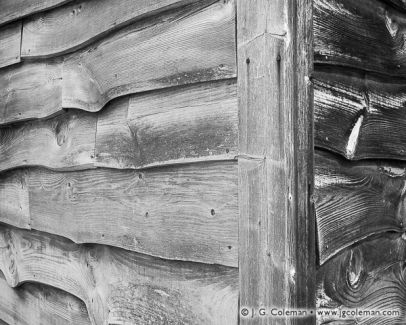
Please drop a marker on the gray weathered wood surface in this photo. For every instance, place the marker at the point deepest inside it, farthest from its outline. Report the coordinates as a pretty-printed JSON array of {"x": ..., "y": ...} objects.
[
  {"x": 369, "y": 276},
  {"x": 10, "y": 41},
  {"x": 276, "y": 227},
  {"x": 67, "y": 28},
  {"x": 38, "y": 304},
  {"x": 15, "y": 9},
  {"x": 364, "y": 35},
  {"x": 370, "y": 110},
  {"x": 164, "y": 51},
  {"x": 179, "y": 125},
  {"x": 120, "y": 287},
  {"x": 187, "y": 212}
]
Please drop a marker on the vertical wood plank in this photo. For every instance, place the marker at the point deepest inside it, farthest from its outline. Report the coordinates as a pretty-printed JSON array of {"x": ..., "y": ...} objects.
[
  {"x": 10, "y": 41},
  {"x": 276, "y": 228}
]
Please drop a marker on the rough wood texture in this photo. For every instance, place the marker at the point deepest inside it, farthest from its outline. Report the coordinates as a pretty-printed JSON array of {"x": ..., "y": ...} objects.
[
  {"x": 360, "y": 34},
  {"x": 369, "y": 276},
  {"x": 34, "y": 304},
  {"x": 15, "y": 9},
  {"x": 179, "y": 125},
  {"x": 276, "y": 227},
  {"x": 69, "y": 27},
  {"x": 183, "y": 213},
  {"x": 158, "y": 53},
  {"x": 121, "y": 287},
  {"x": 362, "y": 103},
  {"x": 10, "y": 41},
  {"x": 356, "y": 200}
]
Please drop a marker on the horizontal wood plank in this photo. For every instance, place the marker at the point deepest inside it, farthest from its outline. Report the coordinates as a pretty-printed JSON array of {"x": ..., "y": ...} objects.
[
  {"x": 33, "y": 304},
  {"x": 182, "y": 213},
  {"x": 10, "y": 42},
  {"x": 72, "y": 26},
  {"x": 356, "y": 200},
  {"x": 179, "y": 125},
  {"x": 362, "y": 34},
  {"x": 370, "y": 110},
  {"x": 368, "y": 276},
  {"x": 15, "y": 9},
  {"x": 187, "y": 46},
  {"x": 121, "y": 287}
]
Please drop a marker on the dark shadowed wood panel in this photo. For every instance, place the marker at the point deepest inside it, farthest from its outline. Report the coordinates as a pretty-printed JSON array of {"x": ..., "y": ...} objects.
[
  {"x": 360, "y": 34},
  {"x": 69, "y": 27},
  {"x": 276, "y": 228},
  {"x": 165, "y": 51},
  {"x": 356, "y": 200},
  {"x": 369, "y": 276},
  {"x": 121, "y": 287},
  {"x": 371, "y": 111},
  {"x": 10, "y": 41},
  {"x": 34, "y": 304},
  {"x": 179, "y": 125},
  {"x": 14, "y": 9},
  {"x": 183, "y": 213}
]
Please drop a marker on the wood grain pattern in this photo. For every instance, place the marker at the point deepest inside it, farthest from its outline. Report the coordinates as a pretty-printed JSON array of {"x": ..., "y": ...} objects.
[
  {"x": 10, "y": 42},
  {"x": 356, "y": 200},
  {"x": 34, "y": 304},
  {"x": 363, "y": 103},
  {"x": 158, "y": 53},
  {"x": 182, "y": 213},
  {"x": 360, "y": 34},
  {"x": 15, "y": 9},
  {"x": 179, "y": 125},
  {"x": 72, "y": 26},
  {"x": 276, "y": 228},
  {"x": 369, "y": 276},
  {"x": 120, "y": 287}
]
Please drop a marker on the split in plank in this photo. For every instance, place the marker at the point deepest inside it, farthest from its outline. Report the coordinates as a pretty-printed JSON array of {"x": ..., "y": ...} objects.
[
  {"x": 356, "y": 200},
  {"x": 361, "y": 34},
  {"x": 170, "y": 126},
  {"x": 10, "y": 42},
  {"x": 15, "y": 9},
  {"x": 371, "y": 111},
  {"x": 33, "y": 304},
  {"x": 122, "y": 287},
  {"x": 182, "y": 213},
  {"x": 187, "y": 46},
  {"x": 367, "y": 276},
  {"x": 76, "y": 24}
]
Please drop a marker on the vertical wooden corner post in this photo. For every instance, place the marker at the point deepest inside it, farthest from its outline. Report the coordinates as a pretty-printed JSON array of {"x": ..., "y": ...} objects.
[{"x": 276, "y": 222}]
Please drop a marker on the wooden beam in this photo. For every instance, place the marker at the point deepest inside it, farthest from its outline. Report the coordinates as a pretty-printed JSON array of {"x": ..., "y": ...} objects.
[
  {"x": 122, "y": 287},
  {"x": 40, "y": 304},
  {"x": 276, "y": 227}
]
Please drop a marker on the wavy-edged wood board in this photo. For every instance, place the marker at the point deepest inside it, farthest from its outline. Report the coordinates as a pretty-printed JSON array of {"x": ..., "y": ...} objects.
[
  {"x": 361, "y": 34},
  {"x": 170, "y": 126},
  {"x": 122, "y": 287},
  {"x": 360, "y": 115},
  {"x": 189, "y": 45},
  {"x": 10, "y": 42},
  {"x": 183, "y": 213},
  {"x": 15, "y": 9},
  {"x": 34, "y": 304},
  {"x": 369, "y": 276},
  {"x": 356, "y": 200},
  {"x": 76, "y": 24}
]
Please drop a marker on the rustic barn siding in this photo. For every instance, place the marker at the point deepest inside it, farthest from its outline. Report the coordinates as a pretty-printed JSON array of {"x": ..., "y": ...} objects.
[
  {"x": 118, "y": 162},
  {"x": 360, "y": 151}
]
